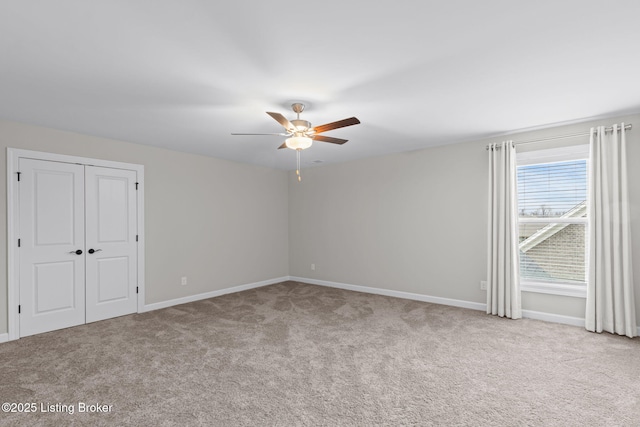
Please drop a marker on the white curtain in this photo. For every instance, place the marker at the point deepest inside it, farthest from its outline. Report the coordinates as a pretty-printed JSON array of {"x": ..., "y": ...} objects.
[
  {"x": 503, "y": 267},
  {"x": 610, "y": 299}
]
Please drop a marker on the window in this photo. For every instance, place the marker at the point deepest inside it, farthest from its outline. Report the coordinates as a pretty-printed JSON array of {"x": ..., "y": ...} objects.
[{"x": 552, "y": 220}]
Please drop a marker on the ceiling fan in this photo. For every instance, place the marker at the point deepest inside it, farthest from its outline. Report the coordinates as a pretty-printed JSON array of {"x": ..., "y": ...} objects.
[{"x": 301, "y": 134}]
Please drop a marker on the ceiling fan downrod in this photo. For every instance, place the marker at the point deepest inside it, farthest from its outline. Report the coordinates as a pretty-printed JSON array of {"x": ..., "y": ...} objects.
[{"x": 297, "y": 108}]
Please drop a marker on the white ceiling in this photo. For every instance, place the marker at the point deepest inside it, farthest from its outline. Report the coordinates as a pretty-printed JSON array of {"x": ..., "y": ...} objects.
[{"x": 185, "y": 74}]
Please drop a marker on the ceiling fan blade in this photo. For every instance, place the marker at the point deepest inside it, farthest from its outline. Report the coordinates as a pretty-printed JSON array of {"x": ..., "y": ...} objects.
[
  {"x": 335, "y": 125},
  {"x": 329, "y": 139},
  {"x": 282, "y": 120},
  {"x": 284, "y": 145},
  {"x": 279, "y": 134}
]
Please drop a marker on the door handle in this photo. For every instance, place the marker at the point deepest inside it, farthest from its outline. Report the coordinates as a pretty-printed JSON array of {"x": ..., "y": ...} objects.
[
  {"x": 94, "y": 250},
  {"x": 78, "y": 252}
]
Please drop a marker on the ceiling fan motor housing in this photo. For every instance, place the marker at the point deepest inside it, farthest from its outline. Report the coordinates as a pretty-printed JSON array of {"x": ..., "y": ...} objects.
[{"x": 301, "y": 125}]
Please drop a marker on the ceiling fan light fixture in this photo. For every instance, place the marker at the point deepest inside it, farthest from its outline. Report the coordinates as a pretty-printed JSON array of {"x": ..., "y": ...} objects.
[{"x": 298, "y": 142}]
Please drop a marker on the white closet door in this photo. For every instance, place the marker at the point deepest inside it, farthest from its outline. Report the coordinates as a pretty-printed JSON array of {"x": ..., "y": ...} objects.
[
  {"x": 111, "y": 257},
  {"x": 52, "y": 276}
]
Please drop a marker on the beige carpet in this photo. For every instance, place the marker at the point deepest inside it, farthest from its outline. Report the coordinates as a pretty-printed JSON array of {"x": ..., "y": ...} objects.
[{"x": 296, "y": 354}]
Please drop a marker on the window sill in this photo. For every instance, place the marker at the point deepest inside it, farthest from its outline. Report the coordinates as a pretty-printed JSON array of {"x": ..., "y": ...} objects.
[{"x": 578, "y": 291}]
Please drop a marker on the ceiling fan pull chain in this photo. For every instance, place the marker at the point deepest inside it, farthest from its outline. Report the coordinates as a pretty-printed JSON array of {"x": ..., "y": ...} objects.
[{"x": 298, "y": 165}]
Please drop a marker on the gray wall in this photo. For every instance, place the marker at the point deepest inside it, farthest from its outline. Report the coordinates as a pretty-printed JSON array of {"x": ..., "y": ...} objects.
[
  {"x": 416, "y": 222},
  {"x": 219, "y": 223}
]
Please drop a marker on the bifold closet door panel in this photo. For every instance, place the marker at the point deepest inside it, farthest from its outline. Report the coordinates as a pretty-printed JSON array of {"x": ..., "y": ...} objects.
[
  {"x": 51, "y": 249},
  {"x": 111, "y": 229}
]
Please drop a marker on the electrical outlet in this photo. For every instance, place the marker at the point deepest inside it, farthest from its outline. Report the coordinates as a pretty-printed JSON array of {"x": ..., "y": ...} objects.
[
  {"x": 483, "y": 285},
  {"x": 313, "y": 267},
  {"x": 184, "y": 281}
]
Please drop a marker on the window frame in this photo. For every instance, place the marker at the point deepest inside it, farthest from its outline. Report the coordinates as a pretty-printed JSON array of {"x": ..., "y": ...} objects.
[{"x": 550, "y": 156}]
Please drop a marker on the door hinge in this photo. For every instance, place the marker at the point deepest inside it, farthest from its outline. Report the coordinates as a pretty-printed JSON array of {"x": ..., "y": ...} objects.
[
  {"x": 136, "y": 237},
  {"x": 19, "y": 173},
  {"x": 18, "y": 242},
  {"x": 136, "y": 185},
  {"x": 136, "y": 289},
  {"x": 19, "y": 308}
]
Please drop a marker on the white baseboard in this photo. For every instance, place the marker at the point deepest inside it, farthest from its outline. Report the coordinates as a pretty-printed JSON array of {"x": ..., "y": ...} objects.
[
  {"x": 4, "y": 337},
  {"x": 558, "y": 318},
  {"x": 212, "y": 294},
  {"x": 397, "y": 294},
  {"x": 555, "y": 318}
]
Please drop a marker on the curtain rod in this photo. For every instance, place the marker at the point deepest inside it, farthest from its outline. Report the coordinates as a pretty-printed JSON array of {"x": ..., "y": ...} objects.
[{"x": 572, "y": 135}]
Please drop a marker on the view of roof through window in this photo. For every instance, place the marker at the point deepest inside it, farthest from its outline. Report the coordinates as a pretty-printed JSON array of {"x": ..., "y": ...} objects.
[{"x": 552, "y": 205}]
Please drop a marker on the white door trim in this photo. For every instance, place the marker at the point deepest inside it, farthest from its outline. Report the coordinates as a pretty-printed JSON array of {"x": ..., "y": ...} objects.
[{"x": 13, "y": 266}]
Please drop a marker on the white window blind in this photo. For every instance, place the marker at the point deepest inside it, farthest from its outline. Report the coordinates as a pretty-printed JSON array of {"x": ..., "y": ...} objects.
[
  {"x": 551, "y": 190},
  {"x": 552, "y": 207}
]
